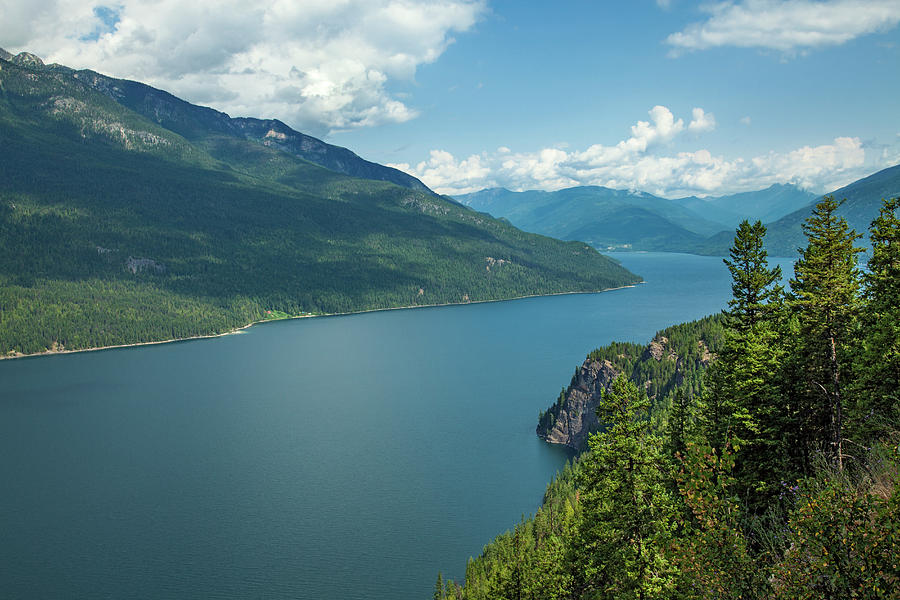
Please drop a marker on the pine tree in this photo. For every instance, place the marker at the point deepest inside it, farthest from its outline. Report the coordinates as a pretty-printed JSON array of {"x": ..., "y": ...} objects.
[
  {"x": 755, "y": 288},
  {"x": 826, "y": 300},
  {"x": 877, "y": 407},
  {"x": 627, "y": 512},
  {"x": 439, "y": 587},
  {"x": 741, "y": 406},
  {"x": 679, "y": 423}
]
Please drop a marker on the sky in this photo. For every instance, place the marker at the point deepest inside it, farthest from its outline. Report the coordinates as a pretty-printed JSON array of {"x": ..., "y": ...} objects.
[{"x": 669, "y": 97}]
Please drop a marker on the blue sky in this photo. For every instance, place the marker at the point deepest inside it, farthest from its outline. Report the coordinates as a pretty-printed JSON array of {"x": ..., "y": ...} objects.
[{"x": 476, "y": 93}]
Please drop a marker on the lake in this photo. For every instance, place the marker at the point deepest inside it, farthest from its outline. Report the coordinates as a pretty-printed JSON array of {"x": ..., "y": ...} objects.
[{"x": 339, "y": 457}]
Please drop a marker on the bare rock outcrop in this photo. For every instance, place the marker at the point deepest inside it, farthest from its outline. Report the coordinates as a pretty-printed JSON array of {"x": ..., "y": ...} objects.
[{"x": 575, "y": 417}]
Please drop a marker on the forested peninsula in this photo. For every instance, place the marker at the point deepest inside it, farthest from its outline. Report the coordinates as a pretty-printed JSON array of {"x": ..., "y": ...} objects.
[
  {"x": 129, "y": 216},
  {"x": 754, "y": 454}
]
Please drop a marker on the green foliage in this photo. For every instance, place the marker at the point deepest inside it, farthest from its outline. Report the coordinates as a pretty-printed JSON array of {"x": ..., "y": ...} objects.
[
  {"x": 626, "y": 509},
  {"x": 742, "y": 520},
  {"x": 711, "y": 554},
  {"x": 208, "y": 235},
  {"x": 826, "y": 299},
  {"x": 844, "y": 536},
  {"x": 740, "y": 406},
  {"x": 676, "y": 359},
  {"x": 876, "y": 407},
  {"x": 755, "y": 288},
  {"x": 531, "y": 561}
]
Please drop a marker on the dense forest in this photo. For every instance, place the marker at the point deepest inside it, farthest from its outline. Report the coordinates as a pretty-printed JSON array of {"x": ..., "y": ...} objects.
[
  {"x": 115, "y": 230},
  {"x": 779, "y": 477}
]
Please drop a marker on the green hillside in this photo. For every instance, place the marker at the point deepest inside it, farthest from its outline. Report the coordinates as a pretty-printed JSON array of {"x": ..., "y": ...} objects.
[
  {"x": 210, "y": 128},
  {"x": 768, "y": 468},
  {"x": 115, "y": 229}
]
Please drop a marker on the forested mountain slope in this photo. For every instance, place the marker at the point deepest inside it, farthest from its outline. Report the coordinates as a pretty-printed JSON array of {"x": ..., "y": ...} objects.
[
  {"x": 676, "y": 358},
  {"x": 863, "y": 199},
  {"x": 780, "y": 479},
  {"x": 206, "y": 127},
  {"x": 115, "y": 229}
]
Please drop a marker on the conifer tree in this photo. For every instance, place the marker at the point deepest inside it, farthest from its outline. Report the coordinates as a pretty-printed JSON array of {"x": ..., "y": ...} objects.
[
  {"x": 627, "y": 512},
  {"x": 742, "y": 404},
  {"x": 755, "y": 288},
  {"x": 439, "y": 587},
  {"x": 877, "y": 402},
  {"x": 826, "y": 301},
  {"x": 679, "y": 423}
]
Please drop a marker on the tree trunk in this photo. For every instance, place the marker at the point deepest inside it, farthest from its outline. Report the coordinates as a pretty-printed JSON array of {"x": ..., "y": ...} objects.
[{"x": 837, "y": 437}]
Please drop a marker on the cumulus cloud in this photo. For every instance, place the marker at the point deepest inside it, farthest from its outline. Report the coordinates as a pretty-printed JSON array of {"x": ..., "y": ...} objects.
[
  {"x": 702, "y": 121},
  {"x": 786, "y": 25},
  {"x": 446, "y": 173},
  {"x": 812, "y": 166},
  {"x": 320, "y": 65},
  {"x": 636, "y": 164}
]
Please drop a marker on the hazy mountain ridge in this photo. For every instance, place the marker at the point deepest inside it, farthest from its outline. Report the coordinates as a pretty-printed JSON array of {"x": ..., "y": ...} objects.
[
  {"x": 603, "y": 217},
  {"x": 114, "y": 229},
  {"x": 623, "y": 220},
  {"x": 765, "y": 205},
  {"x": 863, "y": 200}
]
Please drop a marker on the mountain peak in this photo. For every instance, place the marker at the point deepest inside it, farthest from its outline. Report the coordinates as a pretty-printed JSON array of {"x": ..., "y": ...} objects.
[
  {"x": 27, "y": 59},
  {"x": 5, "y": 55},
  {"x": 199, "y": 124}
]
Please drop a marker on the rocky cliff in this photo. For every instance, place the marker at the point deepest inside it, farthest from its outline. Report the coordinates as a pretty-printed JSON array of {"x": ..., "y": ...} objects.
[
  {"x": 675, "y": 358},
  {"x": 575, "y": 416}
]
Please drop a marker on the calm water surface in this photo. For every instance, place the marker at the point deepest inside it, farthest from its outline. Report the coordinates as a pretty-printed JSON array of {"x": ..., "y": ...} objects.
[{"x": 342, "y": 457}]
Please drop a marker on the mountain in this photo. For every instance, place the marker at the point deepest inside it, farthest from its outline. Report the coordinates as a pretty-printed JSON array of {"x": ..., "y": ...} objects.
[
  {"x": 863, "y": 200},
  {"x": 117, "y": 229},
  {"x": 602, "y": 217},
  {"x": 765, "y": 205},
  {"x": 617, "y": 219},
  {"x": 206, "y": 126}
]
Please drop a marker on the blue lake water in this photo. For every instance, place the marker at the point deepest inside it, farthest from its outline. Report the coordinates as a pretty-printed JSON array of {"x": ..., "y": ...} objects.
[{"x": 340, "y": 457}]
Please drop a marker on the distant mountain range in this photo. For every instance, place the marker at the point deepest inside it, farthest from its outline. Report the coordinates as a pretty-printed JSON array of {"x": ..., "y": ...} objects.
[
  {"x": 128, "y": 215},
  {"x": 863, "y": 200},
  {"x": 621, "y": 220},
  {"x": 765, "y": 205}
]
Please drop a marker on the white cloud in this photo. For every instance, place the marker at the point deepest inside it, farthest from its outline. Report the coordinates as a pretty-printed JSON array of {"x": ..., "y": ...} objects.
[
  {"x": 746, "y": 121},
  {"x": 445, "y": 172},
  {"x": 320, "y": 65},
  {"x": 702, "y": 121},
  {"x": 811, "y": 167},
  {"x": 637, "y": 164},
  {"x": 787, "y": 25}
]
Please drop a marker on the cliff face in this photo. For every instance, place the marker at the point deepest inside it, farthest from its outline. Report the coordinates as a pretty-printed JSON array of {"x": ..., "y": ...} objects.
[
  {"x": 576, "y": 417},
  {"x": 675, "y": 358}
]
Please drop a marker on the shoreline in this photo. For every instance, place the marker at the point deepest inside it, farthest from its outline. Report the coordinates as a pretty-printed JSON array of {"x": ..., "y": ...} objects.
[{"x": 308, "y": 316}]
